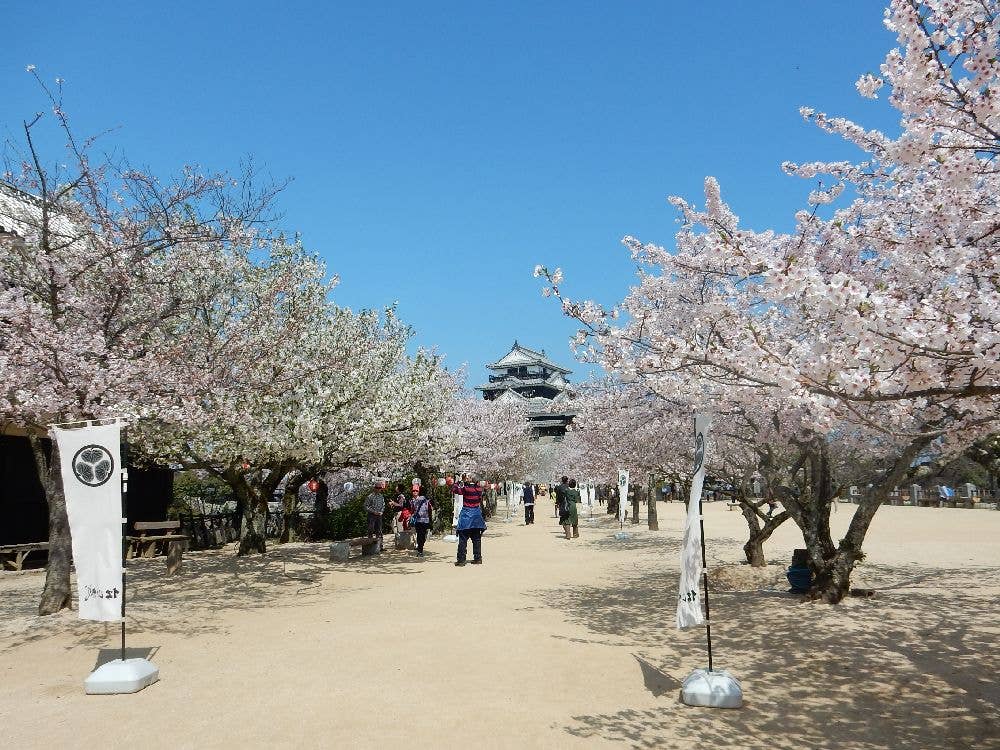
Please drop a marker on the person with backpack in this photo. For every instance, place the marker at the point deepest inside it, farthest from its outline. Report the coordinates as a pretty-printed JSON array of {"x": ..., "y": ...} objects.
[{"x": 421, "y": 519}]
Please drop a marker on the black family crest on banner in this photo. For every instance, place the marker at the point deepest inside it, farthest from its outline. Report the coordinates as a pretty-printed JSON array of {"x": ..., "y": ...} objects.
[{"x": 93, "y": 465}]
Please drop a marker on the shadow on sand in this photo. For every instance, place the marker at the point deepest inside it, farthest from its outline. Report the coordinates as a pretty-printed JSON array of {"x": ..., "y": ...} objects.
[
  {"x": 912, "y": 667},
  {"x": 209, "y": 581}
]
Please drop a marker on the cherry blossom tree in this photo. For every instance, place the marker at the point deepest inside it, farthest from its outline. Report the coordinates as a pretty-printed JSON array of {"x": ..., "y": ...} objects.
[
  {"x": 96, "y": 261},
  {"x": 490, "y": 438},
  {"x": 631, "y": 426},
  {"x": 290, "y": 381},
  {"x": 875, "y": 320}
]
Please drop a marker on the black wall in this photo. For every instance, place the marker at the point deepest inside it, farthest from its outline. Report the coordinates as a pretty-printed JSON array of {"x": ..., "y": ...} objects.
[{"x": 24, "y": 514}]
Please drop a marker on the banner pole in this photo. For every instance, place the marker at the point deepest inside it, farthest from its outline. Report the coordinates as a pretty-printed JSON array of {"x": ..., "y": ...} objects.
[
  {"x": 703, "y": 687},
  {"x": 124, "y": 457},
  {"x": 704, "y": 570}
]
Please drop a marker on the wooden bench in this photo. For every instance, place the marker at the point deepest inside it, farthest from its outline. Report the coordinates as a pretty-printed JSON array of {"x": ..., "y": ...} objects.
[
  {"x": 146, "y": 544},
  {"x": 341, "y": 550},
  {"x": 732, "y": 505},
  {"x": 13, "y": 554}
]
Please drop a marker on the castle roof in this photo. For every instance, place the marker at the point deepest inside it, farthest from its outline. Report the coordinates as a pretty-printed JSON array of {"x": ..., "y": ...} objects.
[{"x": 521, "y": 356}]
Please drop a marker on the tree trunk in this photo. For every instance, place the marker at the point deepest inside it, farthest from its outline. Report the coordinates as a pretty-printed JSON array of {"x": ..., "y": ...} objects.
[
  {"x": 653, "y": 521},
  {"x": 56, "y": 594},
  {"x": 322, "y": 495},
  {"x": 754, "y": 552},
  {"x": 832, "y": 582},
  {"x": 289, "y": 509},
  {"x": 754, "y": 548},
  {"x": 252, "y": 490},
  {"x": 832, "y": 564},
  {"x": 635, "y": 507},
  {"x": 320, "y": 526},
  {"x": 253, "y": 526},
  {"x": 253, "y": 521}
]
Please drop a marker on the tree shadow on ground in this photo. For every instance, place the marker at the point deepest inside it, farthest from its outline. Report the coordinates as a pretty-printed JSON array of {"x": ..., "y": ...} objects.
[
  {"x": 649, "y": 541},
  {"x": 210, "y": 581},
  {"x": 911, "y": 667}
]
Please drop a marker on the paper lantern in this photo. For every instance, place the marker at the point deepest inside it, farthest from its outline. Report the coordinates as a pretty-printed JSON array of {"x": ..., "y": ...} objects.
[
  {"x": 348, "y": 486},
  {"x": 441, "y": 481},
  {"x": 449, "y": 481},
  {"x": 313, "y": 485},
  {"x": 415, "y": 482},
  {"x": 246, "y": 466}
]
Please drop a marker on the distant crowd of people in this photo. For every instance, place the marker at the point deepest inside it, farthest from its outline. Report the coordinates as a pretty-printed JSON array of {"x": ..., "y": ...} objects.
[{"x": 414, "y": 512}]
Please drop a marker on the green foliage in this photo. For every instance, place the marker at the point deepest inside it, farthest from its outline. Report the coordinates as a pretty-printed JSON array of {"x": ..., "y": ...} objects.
[
  {"x": 350, "y": 520},
  {"x": 197, "y": 492}
]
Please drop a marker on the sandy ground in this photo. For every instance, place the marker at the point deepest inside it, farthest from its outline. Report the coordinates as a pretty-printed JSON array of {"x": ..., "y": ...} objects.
[{"x": 550, "y": 644}]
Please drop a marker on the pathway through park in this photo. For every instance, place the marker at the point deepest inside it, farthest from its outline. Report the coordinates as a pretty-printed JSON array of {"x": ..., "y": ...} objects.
[{"x": 549, "y": 644}]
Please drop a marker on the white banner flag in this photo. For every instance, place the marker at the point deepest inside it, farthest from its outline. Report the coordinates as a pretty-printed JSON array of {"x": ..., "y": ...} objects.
[
  {"x": 91, "y": 465},
  {"x": 689, "y": 595},
  {"x": 622, "y": 494}
]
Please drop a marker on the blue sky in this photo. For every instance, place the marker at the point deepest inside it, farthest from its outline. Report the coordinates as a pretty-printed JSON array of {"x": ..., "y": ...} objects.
[{"x": 440, "y": 150}]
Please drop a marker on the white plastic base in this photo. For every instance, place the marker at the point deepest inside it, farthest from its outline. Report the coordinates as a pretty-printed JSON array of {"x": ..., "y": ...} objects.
[
  {"x": 450, "y": 537},
  {"x": 715, "y": 689},
  {"x": 115, "y": 677},
  {"x": 621, "y": 535}
]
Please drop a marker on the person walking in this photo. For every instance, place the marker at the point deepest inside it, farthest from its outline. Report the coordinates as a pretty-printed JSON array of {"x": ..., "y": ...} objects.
[
  {"x": 375, "y": 506},
  {"x": 561, "y": 509},
  {"x": 421, "y": 519},
  {"x": 572, "y": 514},
  {"x": 471, "y": 524},
  {"x": 529, "y": 504}
]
